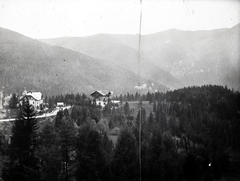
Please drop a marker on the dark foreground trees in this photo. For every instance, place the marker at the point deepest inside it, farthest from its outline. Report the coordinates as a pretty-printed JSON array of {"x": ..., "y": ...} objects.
[
  {"x": 49, "y": 153},
  {"x": 189, "y": 136},
  {"x": 125, "y": 159},
  {"x": 91, "y": 160},
  {"x": 23, "y": 163}
]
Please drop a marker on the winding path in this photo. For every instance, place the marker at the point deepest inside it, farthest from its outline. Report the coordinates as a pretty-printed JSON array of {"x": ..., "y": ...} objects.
[{"x": 52, "y": 113}]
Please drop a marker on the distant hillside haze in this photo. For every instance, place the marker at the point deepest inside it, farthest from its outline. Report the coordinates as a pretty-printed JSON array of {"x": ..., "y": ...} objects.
[
  {"x": 168, "y": 60},
  {"x": 174, "y": 58},
  {"x": 122, "y": 50},
  {"x": 26, "y": 62}
]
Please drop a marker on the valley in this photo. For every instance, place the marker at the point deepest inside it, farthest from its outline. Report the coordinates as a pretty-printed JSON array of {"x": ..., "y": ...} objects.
[{"x": 168, "y": 60}]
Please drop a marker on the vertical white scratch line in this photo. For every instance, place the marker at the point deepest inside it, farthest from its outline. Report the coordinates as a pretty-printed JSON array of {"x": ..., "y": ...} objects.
[{"x": 140, "y": 112}]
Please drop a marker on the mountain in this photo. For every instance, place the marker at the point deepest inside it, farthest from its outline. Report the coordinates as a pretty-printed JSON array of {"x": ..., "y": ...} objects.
[
  {"x": 199, "y": 57},
  {"x": 174, "y": 58},
  {"x": 26, "y": 62},
  {"x": 121, "y": 50}
]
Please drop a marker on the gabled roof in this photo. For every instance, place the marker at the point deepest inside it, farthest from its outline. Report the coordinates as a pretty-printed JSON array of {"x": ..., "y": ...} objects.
[
  {"x": 35, "y": 95},
  {"x": 100, "y": 93}
]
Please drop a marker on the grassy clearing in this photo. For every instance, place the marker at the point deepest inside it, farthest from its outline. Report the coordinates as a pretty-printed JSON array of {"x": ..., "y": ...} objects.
[{"x": 145, "y": 104}]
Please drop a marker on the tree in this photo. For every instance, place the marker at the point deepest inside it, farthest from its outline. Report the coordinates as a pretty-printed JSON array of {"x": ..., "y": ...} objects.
[
  {"x": 49, "y": 154},
  {"x": 125, "y": 159},
  {"x": 3, "y": 150},
  {"x": 154, "y": 106},
  {"x": 149, "y": 97},
  {"x": 121, "y": 98},
  {"x": 107, "y": 109},
  {"x": 58, "y": 119},
  {"x": 143, "y": 116},
  {"x": 74, "y": 113},
  {"x": 126, "y": 109},
  {"x": 2, "y": 144},
  {"x": 23, "y": 163},
  {"x": 155, "y": 163},
  {"x": 13, "y": 101},
  {"x": 161, "y": 156},
  {"x": 95, "y": 113},
  {"x": 151, "y": 118},
  {"x": 91, "y": 155},
  {"x": 67, "y": 133}
]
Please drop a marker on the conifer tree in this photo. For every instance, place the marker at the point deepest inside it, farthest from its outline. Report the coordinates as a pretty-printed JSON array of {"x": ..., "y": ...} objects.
[
  {"x": 67, "y": 141},
  {"x": 13, "y": 101},
  {"x": 143, "y": 116},
  {"x": 126, "y": 109},
  {"x": 125, "y": 159},
  {"x": 50, "y": 154},
  {"x": 91, "y": 155},
  {"x": 151, "y": 119},
  {"x": 23, "y": 163}
]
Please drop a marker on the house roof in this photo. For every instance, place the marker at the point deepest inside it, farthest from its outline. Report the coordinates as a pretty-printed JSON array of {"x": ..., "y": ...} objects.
[
  {"x": 35, "y": 95},
  {"x": 100, "y": 93}
]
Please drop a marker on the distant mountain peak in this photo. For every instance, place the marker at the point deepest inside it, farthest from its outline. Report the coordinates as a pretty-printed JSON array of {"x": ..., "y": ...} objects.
[{"x": 172, "y": 57}]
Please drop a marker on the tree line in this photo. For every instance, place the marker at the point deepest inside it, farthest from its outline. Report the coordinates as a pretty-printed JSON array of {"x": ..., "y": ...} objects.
[{"x": 188, "y": 136}]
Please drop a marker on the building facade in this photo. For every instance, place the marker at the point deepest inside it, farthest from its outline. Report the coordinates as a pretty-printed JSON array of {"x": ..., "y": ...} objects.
[
  {"x": 101, "y": 97},
  {"x": 34, "y": 98}
]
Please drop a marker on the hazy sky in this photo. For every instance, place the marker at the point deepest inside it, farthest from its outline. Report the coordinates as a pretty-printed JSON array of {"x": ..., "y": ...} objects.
[{"x": 55, "y": 18}]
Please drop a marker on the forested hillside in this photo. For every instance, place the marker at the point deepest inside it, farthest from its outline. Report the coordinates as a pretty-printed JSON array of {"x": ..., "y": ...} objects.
[
  {"x": 174, "y": 58},
  {"x": 190, "y": 134},
  {"x": 25, "y": 62},
  {"x": 122, "y": 50}
]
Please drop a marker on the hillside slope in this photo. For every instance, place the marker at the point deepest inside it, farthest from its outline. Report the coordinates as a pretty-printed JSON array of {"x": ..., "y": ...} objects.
[
  {"x": 199, "y": 57},
  {"x": 121, "y": 50},
  {"x": 173, "y": 57},
  {"x": 25, "y": 62}
]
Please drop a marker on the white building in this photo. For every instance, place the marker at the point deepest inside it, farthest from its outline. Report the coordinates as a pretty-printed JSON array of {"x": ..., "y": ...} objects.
[
  {"x": 35, "y": 98},
  {"x": 60, "y": 104}
]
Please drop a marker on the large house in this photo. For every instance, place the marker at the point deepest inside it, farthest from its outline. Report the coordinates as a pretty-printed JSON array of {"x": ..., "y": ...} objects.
[
  {"x": 35, "y": 98},
  {"x": 101, "y": 97}
]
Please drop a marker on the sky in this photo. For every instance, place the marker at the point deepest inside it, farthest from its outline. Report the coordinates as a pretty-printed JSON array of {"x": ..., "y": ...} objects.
[{"x": 76, "y": 18}]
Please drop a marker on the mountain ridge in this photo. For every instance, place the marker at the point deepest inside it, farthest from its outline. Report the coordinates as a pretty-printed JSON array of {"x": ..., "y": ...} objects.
[
  {"x": 189, "y": 57},
  {"x": 29, "y": 63}
]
